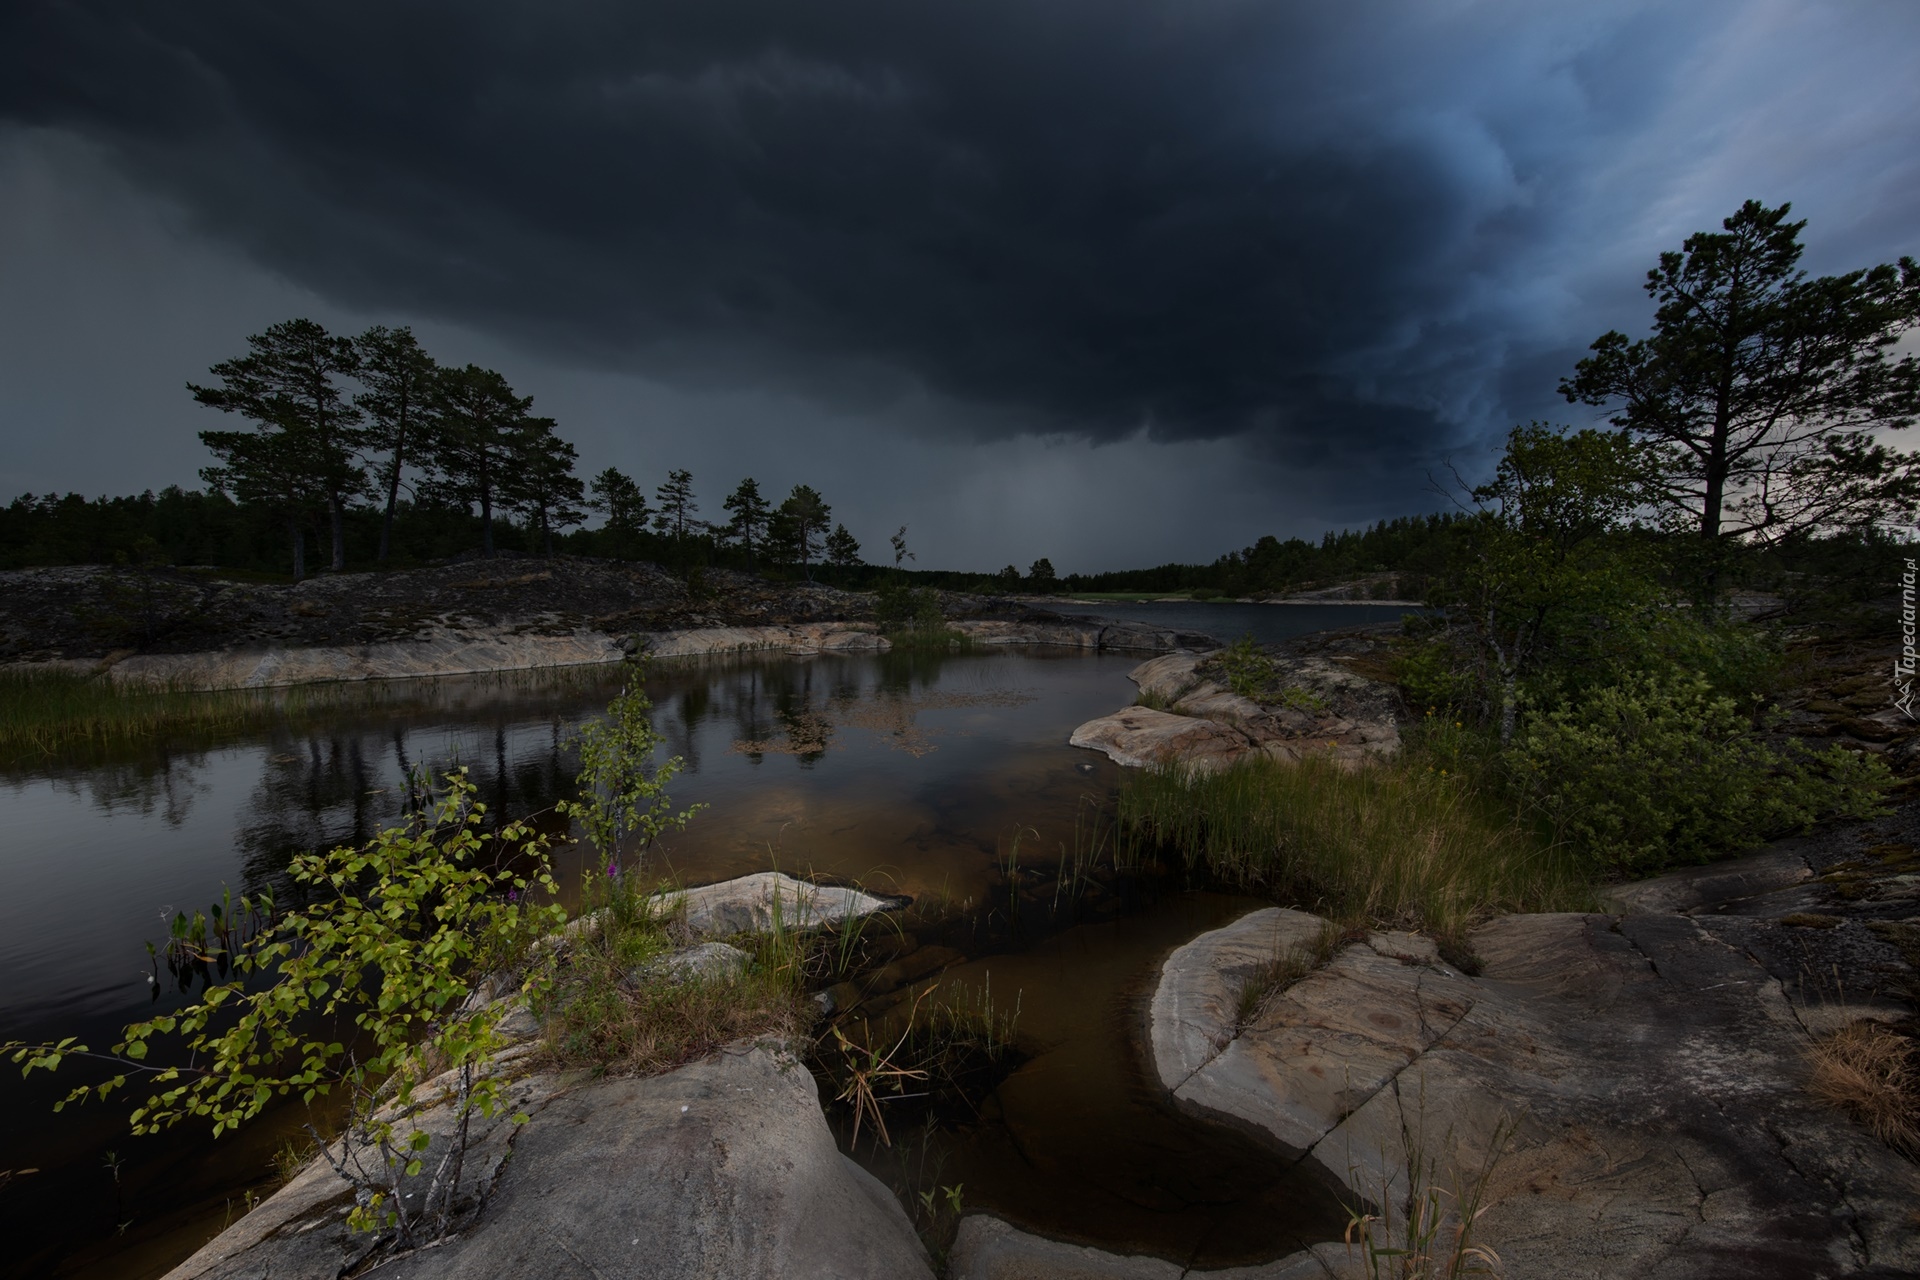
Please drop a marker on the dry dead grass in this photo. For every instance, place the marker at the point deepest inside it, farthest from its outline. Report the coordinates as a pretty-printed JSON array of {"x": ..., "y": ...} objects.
[{"x": 1869, "y": 1070}]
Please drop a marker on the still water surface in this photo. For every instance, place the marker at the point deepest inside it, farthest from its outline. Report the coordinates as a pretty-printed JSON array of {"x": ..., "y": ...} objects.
[
  {"x": 909, "y": 773},
  {"x": 1266, "y": 623}
]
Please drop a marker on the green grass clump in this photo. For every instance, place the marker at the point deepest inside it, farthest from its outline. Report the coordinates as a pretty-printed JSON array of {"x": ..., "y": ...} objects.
[
  {"x": 1389, "y": 842},
  {"x": 610, "y": 1011}
]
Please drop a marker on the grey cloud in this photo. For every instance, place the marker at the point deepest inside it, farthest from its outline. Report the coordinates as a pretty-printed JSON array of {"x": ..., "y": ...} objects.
[{"x": 1357, "y": 238}]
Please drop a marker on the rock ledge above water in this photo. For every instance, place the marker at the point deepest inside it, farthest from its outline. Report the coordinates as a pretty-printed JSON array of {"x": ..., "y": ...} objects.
[
  {"x": 1206, "y": 726},
  {"x": 1652, "y": 1077}
]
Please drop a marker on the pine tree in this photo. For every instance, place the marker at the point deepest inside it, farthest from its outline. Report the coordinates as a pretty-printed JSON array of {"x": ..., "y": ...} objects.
[
  {"x": 750, "y": 515},
  {"x": 398, "y": 377},
  {"x": 799, "y": 526},
  {"x": 619, "y": 499},
  {"x": 843, "y": 552},
  {"x": 285, "y": 385},
  {"x": 1760, "y": 391},
  {"x": 678, "y": 514},
  {"x": 898, "y": 541},
  {"x": 272, "y": 471},
  {"x": 544, "y": 489},
  {"x": 477, "y": 421}
]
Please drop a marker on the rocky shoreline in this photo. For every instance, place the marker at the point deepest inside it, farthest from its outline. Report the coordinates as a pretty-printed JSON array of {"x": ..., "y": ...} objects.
[
  {"x": 1625, "y": 1088},
  {"x": 1188, "y": 715},
  {"x": 171, "y": 628}
]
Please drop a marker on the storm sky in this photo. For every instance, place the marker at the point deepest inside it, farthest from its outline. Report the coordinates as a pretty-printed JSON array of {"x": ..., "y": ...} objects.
[{"x": 1109, "y": 281}]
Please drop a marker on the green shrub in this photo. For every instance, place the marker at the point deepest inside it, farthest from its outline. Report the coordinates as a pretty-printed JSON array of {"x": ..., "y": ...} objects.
[
  {"x": 1433, "y": 675},
  {"x": 899, "y": 607},
  {"x": 623, "y": 790},
  {"x": 385, "y": 952},
  {"x": 1253, "y": 674},
  {"x": 1662, "y": 769}
]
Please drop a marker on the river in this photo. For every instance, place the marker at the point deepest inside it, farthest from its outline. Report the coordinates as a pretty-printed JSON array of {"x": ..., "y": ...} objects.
[{"x": 908, "y": 773}]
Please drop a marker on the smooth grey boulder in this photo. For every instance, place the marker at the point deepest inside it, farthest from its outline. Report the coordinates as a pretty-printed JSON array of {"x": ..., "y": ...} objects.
[
  {"x": 750, "y": 904},
  {"x": 724, "y": 1168},
  {"x": 988, "y": 1248},
  {"x": 1642, "y": 1081},
  {"x": 1168, "y": 676},
  {"x": 706, "y": 961},
  {"x": 1141, "y": 737},
  {"x": 1717, "y": 883}
]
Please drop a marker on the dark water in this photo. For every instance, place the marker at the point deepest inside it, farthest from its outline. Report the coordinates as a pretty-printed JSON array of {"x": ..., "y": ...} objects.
[
  {"x": 1266, "y": 623},
  {"x": 908, "y": 773}
]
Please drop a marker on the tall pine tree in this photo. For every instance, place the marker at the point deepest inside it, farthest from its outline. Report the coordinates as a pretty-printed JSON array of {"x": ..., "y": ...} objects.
[
  {"x": 544, "y": 489},
  {"x": 749, "y": 517},
  {"x": 1761, "y": 391},
  {"x": 286, "y": 385},
  {"x": 398, "y": 380},
  {"x": 477, "y": 421}
]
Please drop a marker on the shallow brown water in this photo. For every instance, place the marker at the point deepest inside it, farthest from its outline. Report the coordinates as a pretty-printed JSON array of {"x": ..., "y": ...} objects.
[
  {"x": 1080, "y": 1143},
  {"x": 912, "y": 774}
]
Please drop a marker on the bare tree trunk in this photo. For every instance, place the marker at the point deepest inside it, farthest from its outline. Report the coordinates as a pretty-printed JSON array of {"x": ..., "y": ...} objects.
[
  {"x": 299, "y": 549},
  {"x": 393, "y": 497},
  {"x": 337, "y": 515}
]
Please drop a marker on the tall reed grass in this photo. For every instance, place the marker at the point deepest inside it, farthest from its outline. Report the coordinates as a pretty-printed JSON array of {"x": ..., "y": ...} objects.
[
  {"x": 53, "y": 713},
  {"x": 1391, "y": 842}
]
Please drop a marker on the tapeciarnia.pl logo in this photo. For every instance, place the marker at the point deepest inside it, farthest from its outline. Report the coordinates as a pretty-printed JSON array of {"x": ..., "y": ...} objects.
[{"x": 1903, "y": 666}]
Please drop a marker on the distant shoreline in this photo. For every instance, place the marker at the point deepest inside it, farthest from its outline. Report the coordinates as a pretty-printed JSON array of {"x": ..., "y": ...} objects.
[{"x": 1293, "y": 600}]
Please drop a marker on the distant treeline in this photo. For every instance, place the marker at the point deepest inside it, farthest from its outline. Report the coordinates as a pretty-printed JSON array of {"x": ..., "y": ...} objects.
[
  {"x": 1413, "y": 548},
  {"x": 192, "y": 527},
  {"x": 187, "y": 527}
]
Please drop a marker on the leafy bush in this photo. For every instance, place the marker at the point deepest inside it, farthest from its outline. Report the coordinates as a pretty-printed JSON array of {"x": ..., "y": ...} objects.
[
  {"x": 623, "y": 792},
  {"x": 899, "y": 607},
  {"x": 1432, "y": 674},
  {"x": 1247, "y": 669},
  {"x": 394, "y": 934},
  {"x": 1662, "y": 769},
  {"x": 1253, "y": 674}
]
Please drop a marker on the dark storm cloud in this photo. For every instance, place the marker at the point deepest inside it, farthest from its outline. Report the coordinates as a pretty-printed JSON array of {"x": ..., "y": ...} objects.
[{"x": 1319, "y": 227}]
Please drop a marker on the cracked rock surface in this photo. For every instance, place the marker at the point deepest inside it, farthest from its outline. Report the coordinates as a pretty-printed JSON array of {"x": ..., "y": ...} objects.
[{"x": 1642, "y": 1075}]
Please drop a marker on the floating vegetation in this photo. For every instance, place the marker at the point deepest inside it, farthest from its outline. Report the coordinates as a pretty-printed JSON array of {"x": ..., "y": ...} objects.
[{"x": 204, "y": 947}]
